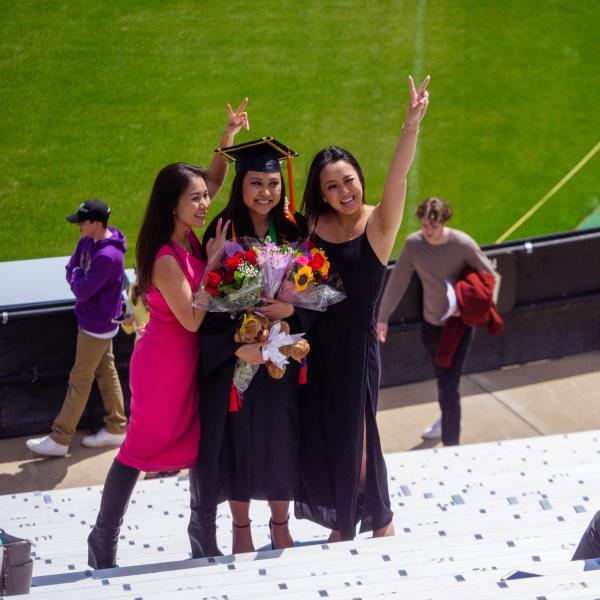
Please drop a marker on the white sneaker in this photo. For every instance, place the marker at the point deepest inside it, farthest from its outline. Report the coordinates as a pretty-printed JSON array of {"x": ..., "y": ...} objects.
[
  {"x": 103, "y": 438},
  {"x": 434, "y": 432},
  {"x": 46, "y": 446}
]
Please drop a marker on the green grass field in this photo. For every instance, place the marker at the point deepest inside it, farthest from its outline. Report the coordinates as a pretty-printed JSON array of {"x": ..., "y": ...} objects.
[{"x": 98, "y": 95}]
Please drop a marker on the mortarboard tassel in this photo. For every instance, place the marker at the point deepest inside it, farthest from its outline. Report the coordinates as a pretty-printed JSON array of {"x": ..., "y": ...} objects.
[
  {"x": 302, "y": 378},
  {"x": 235, "y": 400},
  {"x": 291, "y": 184}
]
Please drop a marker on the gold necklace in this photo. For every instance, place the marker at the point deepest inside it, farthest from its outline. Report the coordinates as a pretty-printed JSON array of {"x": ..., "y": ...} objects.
[{"x": 349, "y": 234}]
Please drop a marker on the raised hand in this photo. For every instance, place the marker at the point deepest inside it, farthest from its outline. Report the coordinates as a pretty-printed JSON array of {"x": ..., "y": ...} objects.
[
  {"x": 216, "y": 245},
  {"x": 237, "y": 119},
  {"x": 418, "y": 101},
  {"x": 217, "y": 171}
]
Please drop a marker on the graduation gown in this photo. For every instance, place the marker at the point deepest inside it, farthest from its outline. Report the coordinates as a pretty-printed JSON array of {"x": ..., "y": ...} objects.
[{"x": 251, "y": 453}]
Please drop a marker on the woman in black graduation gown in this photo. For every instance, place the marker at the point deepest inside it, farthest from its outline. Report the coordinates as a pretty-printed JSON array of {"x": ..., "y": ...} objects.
[
  {"x": 252, "y": 452},
  {"x": 344, "y": 478}
]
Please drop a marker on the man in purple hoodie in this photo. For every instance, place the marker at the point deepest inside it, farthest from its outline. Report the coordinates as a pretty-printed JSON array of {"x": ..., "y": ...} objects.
[{"x": 95, "y": 274}]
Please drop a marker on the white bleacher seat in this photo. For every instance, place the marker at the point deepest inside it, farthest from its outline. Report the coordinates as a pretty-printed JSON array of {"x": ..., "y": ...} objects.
[{"x": 495, "y": 520}]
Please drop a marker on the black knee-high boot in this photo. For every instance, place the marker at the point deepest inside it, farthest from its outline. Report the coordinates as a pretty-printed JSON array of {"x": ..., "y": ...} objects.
[
  {"x": 589, "y": 545},
  {"x": 103, "y": 540},
  {"x": 202, "y": 529}
]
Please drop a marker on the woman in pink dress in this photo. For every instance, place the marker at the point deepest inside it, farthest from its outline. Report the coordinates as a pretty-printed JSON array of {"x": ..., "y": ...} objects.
[{"x": 164, "y": 429}]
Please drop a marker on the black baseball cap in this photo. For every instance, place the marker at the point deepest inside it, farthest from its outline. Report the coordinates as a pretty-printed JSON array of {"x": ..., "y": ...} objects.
[{"x": 90, "y": 210}]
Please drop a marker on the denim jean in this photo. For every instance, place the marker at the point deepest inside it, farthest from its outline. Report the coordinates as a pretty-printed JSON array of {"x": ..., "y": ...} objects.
[{"x": 448, "y": 380}]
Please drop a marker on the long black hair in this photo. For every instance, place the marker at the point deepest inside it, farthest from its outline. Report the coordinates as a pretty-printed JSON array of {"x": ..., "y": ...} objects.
[
  {"x": 239, "y": 215},
  {"x": 159, "y": 221},
  {"x": 313, "y": 203}
]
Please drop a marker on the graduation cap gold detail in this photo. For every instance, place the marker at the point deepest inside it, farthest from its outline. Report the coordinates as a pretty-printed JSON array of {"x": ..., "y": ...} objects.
[
  {"x": 264, "y": 149},
  {"x": 264, "y": 155}
]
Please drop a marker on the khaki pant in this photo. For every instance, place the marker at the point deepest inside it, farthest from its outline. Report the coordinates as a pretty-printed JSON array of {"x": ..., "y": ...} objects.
[{"x": 93, "y": 359}]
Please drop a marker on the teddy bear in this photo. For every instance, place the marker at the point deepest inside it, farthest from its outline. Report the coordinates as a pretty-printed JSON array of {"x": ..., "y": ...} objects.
[
  {"x": 296, "y": 351},
  {"x": 255, "y": 328}
]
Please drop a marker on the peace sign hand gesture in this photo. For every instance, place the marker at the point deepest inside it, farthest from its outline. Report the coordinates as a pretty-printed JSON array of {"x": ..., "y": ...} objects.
[
  {"x": 419, "y": 99},
  {"x": 216, "y": 245},
  {"x": 238, "y": 119}
]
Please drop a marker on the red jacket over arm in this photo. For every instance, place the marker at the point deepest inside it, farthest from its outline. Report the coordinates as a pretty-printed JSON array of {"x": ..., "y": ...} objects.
[{"x": 474, "y": 296}]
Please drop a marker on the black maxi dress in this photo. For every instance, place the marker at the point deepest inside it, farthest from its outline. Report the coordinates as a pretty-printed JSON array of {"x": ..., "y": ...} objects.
[{"x": 340, "y": 399}]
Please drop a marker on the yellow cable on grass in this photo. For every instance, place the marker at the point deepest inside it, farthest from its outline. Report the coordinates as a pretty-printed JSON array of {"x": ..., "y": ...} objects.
[{"x": 551, "y": 193}]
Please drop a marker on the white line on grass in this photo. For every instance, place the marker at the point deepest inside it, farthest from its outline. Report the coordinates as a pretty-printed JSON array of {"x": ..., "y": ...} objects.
[{"x": 414, "y": 192}]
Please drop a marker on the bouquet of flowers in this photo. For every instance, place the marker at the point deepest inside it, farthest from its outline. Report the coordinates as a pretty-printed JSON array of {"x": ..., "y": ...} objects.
[
  {"x": 297, "y": 275},
  {"x": 236, "y": 284},
  {"x": 275, "y": 262},
  {"x": 310, "y": 283}
]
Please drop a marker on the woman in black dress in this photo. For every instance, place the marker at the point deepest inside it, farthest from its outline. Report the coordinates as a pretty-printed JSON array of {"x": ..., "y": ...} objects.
[
  {"x": 252, "y": 452},
  {"x": 344, "y": 478}
]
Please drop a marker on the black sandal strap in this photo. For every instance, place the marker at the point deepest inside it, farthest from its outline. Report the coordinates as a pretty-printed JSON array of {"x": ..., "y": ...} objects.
[
  {"x": 271, "y": 522},
  {"x": 241, "y": 526}
]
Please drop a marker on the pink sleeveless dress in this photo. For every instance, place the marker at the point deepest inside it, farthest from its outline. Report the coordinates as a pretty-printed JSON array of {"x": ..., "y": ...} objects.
[{"x": 164, "y": 426}]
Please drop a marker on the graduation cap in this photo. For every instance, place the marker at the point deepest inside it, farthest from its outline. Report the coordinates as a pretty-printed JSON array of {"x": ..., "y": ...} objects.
[{"x": 264, "y": 155}]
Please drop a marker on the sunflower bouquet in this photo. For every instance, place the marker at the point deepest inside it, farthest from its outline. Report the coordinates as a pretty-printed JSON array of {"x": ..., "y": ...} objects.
[
  {"x": 236, "y": 284},
  {"x": 309, "y": 283}
]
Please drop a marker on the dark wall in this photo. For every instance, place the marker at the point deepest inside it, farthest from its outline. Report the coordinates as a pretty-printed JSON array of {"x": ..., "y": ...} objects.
[
  {"x": 549, "y": 299},
  {"x": 36, "y": 355}
]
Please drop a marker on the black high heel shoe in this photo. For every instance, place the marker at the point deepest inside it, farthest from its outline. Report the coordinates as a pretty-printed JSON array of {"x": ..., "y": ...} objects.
[
  {"x": 202, "y": 531},
  {"x": 271, "y": 523},
  {"x": 102, "y": 548},
  {"x": 236, "y": 526}
]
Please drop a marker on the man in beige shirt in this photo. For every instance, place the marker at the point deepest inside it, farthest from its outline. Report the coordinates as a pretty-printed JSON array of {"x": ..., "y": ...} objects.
[{"x": 439, "y": 255}]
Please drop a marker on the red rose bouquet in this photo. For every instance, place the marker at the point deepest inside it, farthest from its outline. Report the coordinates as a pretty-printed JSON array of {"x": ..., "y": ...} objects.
[{"x": 236, "y": 284}]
